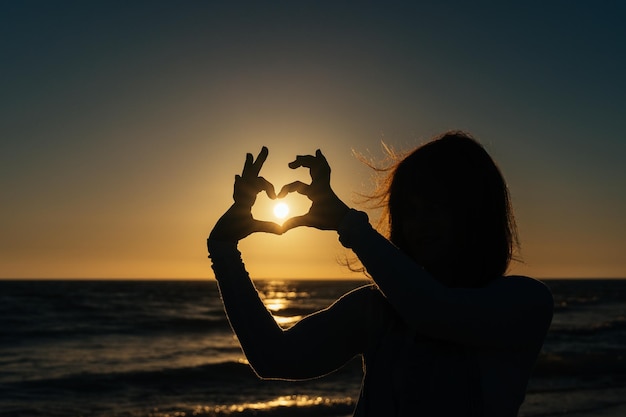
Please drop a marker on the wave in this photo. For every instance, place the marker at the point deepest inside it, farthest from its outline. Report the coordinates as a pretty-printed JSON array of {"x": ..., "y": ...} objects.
[
  {"x": 144, "y": 326},
  {"x": 219, "y": 373},
  {"x": 288, "y": 405},
  {"x": 103, "y": 381},
  {"x": 603, "y": 364},
  {"x": 220, "y": 389},
  {"x": 590, "y": 329}
]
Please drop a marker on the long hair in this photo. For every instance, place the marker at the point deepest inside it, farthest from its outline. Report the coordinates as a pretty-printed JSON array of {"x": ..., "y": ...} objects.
[{"x": 454, "y": 174}]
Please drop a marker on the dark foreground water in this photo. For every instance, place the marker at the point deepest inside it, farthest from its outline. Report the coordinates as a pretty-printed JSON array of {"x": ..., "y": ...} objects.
[{"x": 164, "y": 348}]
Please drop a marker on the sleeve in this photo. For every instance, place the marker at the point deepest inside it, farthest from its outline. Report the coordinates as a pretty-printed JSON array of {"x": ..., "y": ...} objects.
[
  {"x": 509, "y": 312},
  {"x": 225, "y": 257}
]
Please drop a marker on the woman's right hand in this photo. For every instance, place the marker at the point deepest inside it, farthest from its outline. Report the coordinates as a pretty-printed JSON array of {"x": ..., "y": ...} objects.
[
  {"x": 238, "y": 222},
  {"x": 327, "y": 209}
]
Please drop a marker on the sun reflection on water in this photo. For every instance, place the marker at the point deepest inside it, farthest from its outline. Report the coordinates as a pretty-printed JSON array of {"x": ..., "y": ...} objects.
[
  {"x": 282, "y": 401},
  {"x": 282, "y": 301}
]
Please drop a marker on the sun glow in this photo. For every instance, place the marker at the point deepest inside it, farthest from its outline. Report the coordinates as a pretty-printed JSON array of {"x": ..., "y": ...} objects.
[{"x": 281, "y": 210}]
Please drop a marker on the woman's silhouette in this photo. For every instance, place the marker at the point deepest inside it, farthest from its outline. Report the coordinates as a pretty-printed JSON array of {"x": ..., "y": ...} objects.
[{"x": 442, "y": 330}]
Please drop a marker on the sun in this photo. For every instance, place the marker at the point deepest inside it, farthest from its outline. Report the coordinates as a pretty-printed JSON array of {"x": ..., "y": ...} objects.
[{"x": 281, "y": 210}]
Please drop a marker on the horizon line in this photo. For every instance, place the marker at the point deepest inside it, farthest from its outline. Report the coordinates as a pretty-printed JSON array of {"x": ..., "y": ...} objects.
[{"x": 254, "y": 279}]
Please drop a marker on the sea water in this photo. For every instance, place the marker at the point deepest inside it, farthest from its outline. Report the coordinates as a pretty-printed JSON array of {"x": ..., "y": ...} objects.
[{"x": 165, "y": 349}]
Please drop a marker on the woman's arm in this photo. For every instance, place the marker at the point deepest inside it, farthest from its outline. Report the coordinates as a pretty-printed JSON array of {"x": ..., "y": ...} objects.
[
  {"x": 316, "y": 345},
  {"x": 509, "y": 312},
  {"x": 319, "y": 343}
]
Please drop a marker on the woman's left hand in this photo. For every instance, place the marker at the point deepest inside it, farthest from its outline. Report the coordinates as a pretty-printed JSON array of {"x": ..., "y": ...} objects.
[
  {"x": 238, "y": 222},
  {"x": 327, "y": 209}
]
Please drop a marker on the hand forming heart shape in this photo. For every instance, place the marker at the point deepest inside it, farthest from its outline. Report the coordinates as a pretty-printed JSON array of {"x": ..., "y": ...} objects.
[{"x": 325, "y": 212}]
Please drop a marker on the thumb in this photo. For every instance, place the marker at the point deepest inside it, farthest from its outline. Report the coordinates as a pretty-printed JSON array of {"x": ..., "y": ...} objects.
[
  {"x": 267, "y": 227},
  {"x": 296, "y": 222}
]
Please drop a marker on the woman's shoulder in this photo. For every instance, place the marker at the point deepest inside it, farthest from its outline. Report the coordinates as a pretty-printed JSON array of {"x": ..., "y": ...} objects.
[
  {"x": 523, "y": 289},
  {"x": 523, "y": 281}
]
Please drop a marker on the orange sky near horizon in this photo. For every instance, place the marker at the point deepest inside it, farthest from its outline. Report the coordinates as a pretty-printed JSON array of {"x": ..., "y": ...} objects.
[{"x": 123, "y": 128}]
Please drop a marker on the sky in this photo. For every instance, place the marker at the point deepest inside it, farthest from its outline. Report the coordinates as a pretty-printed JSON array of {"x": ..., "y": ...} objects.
[{"x": 123, "y": 124}]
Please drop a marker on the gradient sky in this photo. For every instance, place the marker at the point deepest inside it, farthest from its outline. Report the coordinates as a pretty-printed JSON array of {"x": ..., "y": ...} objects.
[{"x": 124, "y": 123}]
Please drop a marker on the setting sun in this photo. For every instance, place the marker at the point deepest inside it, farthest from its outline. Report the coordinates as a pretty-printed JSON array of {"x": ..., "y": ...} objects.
[{"x": 281, "y": 210}]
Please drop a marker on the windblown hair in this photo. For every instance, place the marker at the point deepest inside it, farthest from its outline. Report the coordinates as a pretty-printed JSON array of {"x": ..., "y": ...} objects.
[{"x": 454, "y": 173}]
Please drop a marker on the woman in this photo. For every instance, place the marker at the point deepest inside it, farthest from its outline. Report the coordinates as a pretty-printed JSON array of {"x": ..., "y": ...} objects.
[{"x": 442, "y": 330}]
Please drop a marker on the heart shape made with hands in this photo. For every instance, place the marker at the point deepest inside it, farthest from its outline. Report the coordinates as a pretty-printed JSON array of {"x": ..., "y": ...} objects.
[{"x": 264, "y": 208}]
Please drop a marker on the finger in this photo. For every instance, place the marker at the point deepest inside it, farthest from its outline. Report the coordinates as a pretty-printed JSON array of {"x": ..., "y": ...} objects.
[
  {"x": 260, "y": 160},
  {"x": 237, "y": 181},
  {"x": 297, "y": 186},
  {"x": 320, "y": 157},
  {"x": 268, "y": 187},
  {"x": 296, "y": 222},
  {"x": 303, "y": 161},
  {"x": 267, "y": 227},
  {"x": 247, "y": 165}
]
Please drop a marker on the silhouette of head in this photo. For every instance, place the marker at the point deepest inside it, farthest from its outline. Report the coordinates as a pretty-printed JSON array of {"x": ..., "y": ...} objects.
[{"x": 449, "y": 209}]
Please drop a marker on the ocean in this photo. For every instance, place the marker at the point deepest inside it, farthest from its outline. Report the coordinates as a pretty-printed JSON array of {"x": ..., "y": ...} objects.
[{"x": 165, "y": 349}]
